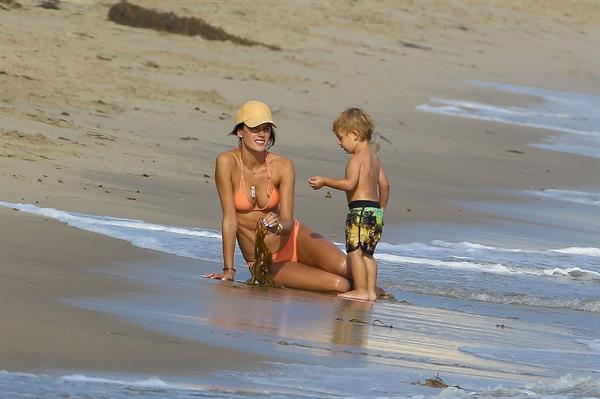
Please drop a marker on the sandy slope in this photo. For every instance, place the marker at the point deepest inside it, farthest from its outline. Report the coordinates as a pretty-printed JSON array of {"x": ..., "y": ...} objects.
[{"x": 95, "y": 113}]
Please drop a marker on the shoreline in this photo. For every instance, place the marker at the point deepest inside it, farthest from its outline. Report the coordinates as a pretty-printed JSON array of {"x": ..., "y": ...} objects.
[
  {"x": 166, "y": 326},
  {"x": 42, "y": 334}
]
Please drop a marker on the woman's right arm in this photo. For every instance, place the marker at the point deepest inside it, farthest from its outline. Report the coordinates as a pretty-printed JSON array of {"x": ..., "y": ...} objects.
[{"x": 223, "y": 170}]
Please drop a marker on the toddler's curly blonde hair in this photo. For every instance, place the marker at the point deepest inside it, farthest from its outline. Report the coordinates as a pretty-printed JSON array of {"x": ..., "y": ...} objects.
[{"x": 354, "y": 120}]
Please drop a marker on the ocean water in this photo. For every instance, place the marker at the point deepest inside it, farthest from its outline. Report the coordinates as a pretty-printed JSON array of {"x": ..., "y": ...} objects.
[
  {"x": 508, "y": 308},
  {"x": 574, "y": 115},
  {"x": 492, "y": 320},
  {"x": 565, "y": 277}
]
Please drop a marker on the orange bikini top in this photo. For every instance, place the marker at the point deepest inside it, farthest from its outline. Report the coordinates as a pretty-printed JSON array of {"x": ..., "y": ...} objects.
[{"x": 243, "y": 204}]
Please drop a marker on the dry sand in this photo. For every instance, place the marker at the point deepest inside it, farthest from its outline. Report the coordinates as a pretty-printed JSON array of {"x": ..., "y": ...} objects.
[{"x": 114, "y": 120}]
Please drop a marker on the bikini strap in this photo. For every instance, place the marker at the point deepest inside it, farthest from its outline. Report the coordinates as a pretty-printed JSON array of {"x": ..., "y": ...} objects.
[
  {"x": 270, "y": 186},
  {"x": 242, "y": 180}
]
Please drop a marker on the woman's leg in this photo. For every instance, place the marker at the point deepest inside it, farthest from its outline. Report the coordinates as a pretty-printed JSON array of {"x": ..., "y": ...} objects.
[
  {"x": 304, "y": 277},
  {"x": 315, "y": 250}
]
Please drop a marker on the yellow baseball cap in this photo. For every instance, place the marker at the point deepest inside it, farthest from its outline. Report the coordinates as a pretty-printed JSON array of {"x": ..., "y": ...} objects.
[{"x": 253, "y": 113}]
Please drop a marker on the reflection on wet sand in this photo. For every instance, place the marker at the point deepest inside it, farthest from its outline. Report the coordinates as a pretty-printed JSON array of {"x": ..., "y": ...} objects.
[
  {"x": 240, "y": 307},
  {"x": 383, "y": 333},
  {"x": 319, "y": 319},
  {"x": 345, "y": 330}
]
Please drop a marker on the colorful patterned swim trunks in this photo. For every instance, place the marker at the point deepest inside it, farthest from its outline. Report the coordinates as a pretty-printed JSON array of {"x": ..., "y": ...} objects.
[{"x": 364, "y": 224}]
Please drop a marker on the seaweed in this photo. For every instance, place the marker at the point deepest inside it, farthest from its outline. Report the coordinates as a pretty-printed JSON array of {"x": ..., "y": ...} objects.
[
  {"x": 374, "y": 323},
  {"x": 50, "y": 4},
  {"x": 436, "y": 382},
  {"x": 260, "y": 272},
  {"x": 125, "y": 13},
  {"x": 8, "y": 4}
]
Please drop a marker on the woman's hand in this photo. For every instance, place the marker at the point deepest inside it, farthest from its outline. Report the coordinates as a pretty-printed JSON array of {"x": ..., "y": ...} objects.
[
  {"x": 272, "y": 223},
  {"x": 227, "y": 275}
]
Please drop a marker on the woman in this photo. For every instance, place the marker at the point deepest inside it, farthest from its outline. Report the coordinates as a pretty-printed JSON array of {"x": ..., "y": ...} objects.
[{"x": 255, "y": 184}]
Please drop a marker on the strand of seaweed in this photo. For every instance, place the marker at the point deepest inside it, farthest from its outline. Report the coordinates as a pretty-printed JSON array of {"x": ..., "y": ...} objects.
[
  {"x": 436, "y": 382},
  {"x": 261, "y": 273},
  {"x": 374, "y": 323},
  {"x": 125, "y": 13}
]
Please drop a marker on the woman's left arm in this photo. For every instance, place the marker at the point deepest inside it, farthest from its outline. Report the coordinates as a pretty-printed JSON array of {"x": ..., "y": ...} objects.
[{"x": 286, "y": 199}]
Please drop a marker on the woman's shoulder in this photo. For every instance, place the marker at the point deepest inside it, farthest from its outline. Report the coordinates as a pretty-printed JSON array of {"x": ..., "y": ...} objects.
[
  {"x": 226, "y": 160},
  {"x": 280, "y": 160},
  {"x": 227, "y": 156}
]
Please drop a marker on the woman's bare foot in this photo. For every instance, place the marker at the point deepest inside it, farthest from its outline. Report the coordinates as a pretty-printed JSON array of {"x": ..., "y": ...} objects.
[{"x": 355, "y": 295}]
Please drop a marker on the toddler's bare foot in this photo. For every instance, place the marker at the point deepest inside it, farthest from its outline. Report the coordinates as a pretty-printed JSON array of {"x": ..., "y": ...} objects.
[
  {"x": 372, "y": 295},
  {"x": 355, "y": 295}
]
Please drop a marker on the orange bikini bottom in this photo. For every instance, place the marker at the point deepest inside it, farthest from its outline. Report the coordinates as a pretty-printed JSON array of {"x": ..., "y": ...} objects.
[{"x": 289, "y": 252}]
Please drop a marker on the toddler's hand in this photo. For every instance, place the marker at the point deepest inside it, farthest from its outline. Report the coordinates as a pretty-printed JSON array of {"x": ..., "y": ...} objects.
[{"x": 316, "y": 182}]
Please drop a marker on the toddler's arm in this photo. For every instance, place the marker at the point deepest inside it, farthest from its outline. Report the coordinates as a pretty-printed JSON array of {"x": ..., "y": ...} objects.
[
  {"x": 384, "y": 188},
  {"x": 348, "y": 183}
]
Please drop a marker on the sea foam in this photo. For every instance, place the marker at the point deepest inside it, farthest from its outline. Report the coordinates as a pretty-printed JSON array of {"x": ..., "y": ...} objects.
[
  {"x": 567, "y": 112},
  {"x": 561, "y": 277},
  {"x": 579, "y": 197}
]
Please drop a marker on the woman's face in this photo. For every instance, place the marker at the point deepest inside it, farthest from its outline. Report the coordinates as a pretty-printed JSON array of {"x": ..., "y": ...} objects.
[{"x": 256, "y": 138}]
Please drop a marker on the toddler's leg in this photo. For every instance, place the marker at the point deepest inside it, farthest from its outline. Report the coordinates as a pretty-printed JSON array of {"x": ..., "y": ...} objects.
[
  {"x": 359, "y": 275},
  {"x": 371, "y": 266}
]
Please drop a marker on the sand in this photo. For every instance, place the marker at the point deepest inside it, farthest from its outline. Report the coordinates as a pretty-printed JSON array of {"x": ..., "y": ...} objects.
[
  {"x": 42, "y": 263},
  {"x": 113, "y": 120}
]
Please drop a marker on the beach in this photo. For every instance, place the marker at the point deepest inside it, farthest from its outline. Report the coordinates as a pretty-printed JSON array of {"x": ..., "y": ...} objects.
[{"x": 109, "y": 214}]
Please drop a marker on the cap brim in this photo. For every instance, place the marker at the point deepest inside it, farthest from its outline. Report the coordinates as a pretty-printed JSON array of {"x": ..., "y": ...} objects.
[
  {"x": 250, "y": 124},
  {"x": 258, "y": 122}
]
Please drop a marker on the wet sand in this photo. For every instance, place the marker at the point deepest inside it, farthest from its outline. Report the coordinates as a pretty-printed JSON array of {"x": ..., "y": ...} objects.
[
  {"x": 45, "y": 263},
  {"x": 113, "y": 120}
]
